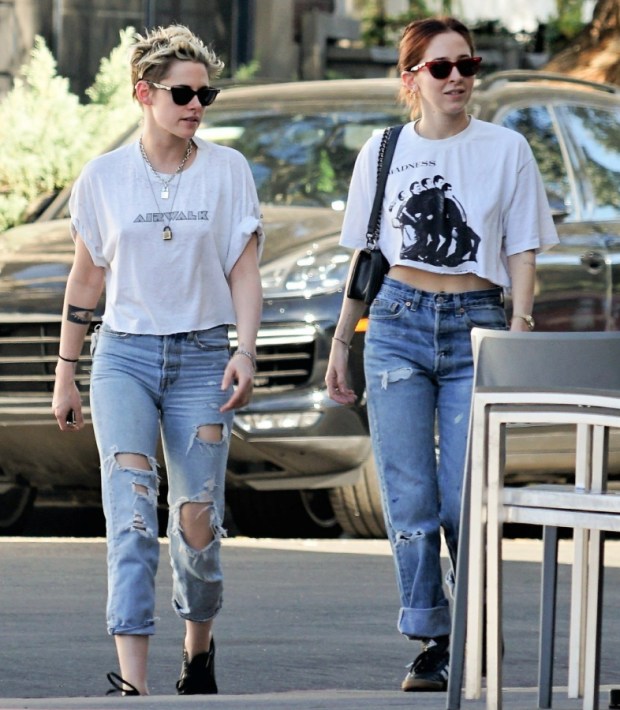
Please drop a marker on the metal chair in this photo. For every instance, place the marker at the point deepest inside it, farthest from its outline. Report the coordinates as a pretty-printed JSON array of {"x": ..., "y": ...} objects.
[{"x": 534, "y": 378}]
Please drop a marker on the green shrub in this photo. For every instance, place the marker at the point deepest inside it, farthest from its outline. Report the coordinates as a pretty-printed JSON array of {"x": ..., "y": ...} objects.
[
  {"x": 47, "y": 135},
  {"x": 111, "y": 109}
]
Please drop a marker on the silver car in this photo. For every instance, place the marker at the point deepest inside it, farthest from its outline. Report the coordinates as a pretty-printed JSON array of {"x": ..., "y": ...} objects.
[{"x": 300, "y": 464}]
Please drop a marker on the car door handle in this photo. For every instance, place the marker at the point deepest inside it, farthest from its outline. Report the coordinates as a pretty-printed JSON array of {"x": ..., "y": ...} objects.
[{"x": 593, "y": 261}]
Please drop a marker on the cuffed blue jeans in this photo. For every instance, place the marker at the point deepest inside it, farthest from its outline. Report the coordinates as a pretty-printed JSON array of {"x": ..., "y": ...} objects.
[
  {"x": 141, "y": 386},
  {"x": 419, "y": 369}
]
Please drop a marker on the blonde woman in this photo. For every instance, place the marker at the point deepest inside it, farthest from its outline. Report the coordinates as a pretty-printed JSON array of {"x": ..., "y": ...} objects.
[{"x": 170, "y": 225}]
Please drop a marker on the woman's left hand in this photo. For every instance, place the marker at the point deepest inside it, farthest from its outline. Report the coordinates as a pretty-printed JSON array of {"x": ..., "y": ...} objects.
[{"x": 239, "y": 370}]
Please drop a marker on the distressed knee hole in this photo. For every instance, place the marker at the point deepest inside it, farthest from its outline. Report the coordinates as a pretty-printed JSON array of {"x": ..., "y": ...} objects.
[
  {"x": 392, "y": 376},
  {"x": 211, "y": 433},
  {"x": 405, "y": 536},
  {"x": 145, "y": 483},
  {"x": 139, "y": 524},
  {"x": 195, "y": 523},
  {"x": 139, "y": 461},
  {"x": 140, "y": 489}
]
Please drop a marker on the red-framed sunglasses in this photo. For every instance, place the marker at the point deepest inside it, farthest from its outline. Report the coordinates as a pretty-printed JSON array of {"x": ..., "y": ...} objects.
[{"x": 442, "y": 68}]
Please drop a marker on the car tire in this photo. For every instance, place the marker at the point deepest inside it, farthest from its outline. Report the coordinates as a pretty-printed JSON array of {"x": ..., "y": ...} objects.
[
  {"x": 16, "y": 504},
  {"x": 358, "y": 508},
  {"x": 281, "y": 514}
]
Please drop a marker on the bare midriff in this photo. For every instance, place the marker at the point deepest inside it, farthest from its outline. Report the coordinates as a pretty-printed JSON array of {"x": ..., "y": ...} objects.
[{"x": 436, "y": 283}]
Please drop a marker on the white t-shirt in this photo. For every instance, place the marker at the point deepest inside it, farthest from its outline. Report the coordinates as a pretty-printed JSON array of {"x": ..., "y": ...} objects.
[
  {"x": 156, "y": 286},
  {"x": 458, "y": 205}
]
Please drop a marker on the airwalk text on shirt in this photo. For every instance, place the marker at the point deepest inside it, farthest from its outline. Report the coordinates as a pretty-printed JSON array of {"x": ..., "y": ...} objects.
[{"x": 173, "y": 216}]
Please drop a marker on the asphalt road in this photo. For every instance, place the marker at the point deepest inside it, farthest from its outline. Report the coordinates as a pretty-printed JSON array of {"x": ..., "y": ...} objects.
[{"x": 306, "y": 624}]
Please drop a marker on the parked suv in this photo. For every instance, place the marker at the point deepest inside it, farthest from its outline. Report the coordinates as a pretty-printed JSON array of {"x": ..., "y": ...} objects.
[{"x": 299, "y": 463}]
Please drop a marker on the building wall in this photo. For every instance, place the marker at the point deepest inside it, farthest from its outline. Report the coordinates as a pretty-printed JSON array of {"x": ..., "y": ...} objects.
[
  {"x": 81, "y": 32},
  {"x": 289, "y": 38},
  {"x": 20, "y": 21}
]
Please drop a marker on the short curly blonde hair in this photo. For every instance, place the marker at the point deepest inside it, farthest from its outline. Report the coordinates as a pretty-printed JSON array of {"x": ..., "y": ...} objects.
[{"x": 153, "y": 52}]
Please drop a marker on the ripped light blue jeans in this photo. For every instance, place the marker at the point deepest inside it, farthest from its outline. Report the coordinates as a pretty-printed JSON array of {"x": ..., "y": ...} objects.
[
  {"x": 419, "y": 369},
  {"x": 141, "y": 386}
]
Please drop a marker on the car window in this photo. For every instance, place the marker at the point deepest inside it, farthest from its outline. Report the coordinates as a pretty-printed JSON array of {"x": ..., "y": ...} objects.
[
  {"x": 299, "y": 158},
  {"x": 595, "y": 133},
  {"x": 536, "y": 124}
]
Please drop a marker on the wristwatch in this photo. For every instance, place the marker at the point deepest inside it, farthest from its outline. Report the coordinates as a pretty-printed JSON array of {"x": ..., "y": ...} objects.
[{"x": 527, "y": 318}]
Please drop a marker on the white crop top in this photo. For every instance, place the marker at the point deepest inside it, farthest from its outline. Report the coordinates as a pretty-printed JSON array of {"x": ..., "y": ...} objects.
[
  {"x": 156, "y": 286},
  {"x": 458, "y": 205}
]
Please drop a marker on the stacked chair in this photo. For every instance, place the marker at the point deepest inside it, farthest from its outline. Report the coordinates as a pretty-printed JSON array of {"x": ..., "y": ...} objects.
[{"x": 535, "y": 379}]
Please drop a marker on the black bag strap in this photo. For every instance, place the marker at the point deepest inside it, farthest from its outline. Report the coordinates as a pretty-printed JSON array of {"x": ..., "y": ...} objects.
[{"x": 386, "y": 151}]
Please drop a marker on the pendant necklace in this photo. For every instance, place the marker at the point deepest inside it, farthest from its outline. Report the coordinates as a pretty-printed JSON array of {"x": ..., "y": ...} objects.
[
  {"x": 165, "y": 192},
  {"x": 167, "y": 231}
]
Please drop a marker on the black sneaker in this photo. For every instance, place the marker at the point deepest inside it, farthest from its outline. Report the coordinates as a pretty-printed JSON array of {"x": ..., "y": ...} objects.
[
  {"x": 429, "y": 671},
  {"x": 198, "y": 675}
]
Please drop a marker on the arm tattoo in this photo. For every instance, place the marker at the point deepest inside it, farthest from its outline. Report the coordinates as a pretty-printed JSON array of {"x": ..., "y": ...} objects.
[{"x": 81, "y": 316}]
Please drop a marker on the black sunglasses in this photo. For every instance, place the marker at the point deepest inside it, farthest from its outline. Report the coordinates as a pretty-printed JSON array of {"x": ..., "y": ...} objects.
[
  {"x": 182, "y": 95},
  {"x": 442, "y": 68}
]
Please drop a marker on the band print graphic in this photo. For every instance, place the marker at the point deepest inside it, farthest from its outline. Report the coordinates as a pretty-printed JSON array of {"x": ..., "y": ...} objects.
[{"x": 433, "y": 224}]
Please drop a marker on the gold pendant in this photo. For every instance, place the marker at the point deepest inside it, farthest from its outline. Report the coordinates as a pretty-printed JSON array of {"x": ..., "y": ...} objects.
[{"x": 166, "y": 234}]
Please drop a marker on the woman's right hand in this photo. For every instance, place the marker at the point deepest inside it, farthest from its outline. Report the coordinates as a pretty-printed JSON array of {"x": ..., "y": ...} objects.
[
  {"x": 66, "y": 400},
  {"x": 336, "y": 376}
]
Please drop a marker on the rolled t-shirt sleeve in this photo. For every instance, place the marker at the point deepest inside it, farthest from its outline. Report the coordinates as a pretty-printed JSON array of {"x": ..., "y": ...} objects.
[
  {"x": 248, "y": 218},
  {"x": 361, "y": 195},
  {"x": 84, "y": 217},
  {"x": 528, "y": 222}
]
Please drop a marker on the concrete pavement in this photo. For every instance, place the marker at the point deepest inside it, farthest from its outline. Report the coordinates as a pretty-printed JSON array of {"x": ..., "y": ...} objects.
[
  {"x": 306, "y": 625},
  {"x": 514, "y": 699}
]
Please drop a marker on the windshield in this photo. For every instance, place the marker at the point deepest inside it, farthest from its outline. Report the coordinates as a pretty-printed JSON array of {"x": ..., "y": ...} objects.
[{"x": 299, "y": 158}]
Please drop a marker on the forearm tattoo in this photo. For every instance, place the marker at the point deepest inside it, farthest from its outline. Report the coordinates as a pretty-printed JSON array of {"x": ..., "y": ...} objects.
[{"x": 81, "y": 316}]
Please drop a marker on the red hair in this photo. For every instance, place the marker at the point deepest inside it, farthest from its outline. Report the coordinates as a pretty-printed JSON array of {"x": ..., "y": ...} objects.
[{"x": 417, "y": 36}]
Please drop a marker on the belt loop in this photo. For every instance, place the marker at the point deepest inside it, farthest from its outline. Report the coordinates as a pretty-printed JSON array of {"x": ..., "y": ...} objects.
[
  {"x": 415, "y": 301},
  {"x": 459, "y": 308}
]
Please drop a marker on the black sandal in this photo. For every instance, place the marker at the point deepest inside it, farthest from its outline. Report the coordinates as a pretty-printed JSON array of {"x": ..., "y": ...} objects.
[{"x": 117, "y": 684}]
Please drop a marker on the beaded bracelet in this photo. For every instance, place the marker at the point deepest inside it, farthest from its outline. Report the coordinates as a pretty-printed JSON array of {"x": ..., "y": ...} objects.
[
  {"x": 248, "y": 354},
  {"x": 67, "y": 359}
]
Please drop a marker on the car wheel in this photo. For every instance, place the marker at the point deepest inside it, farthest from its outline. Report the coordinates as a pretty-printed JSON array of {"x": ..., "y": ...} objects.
[
  {"x": 358, "y": 507},
  {"x": 16, "y": 503},
  {"x": 282, "y": 513}
]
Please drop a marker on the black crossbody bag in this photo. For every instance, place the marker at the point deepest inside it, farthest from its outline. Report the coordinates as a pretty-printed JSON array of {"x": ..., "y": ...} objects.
[{"x": 371, "y": 266}]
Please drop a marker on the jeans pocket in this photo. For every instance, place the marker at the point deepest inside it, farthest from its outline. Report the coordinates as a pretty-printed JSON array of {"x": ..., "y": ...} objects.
[
  {"x": 384, "y": 309},
  {"x": 486, "y": 315},
  {"x": 211, "y": 339}
]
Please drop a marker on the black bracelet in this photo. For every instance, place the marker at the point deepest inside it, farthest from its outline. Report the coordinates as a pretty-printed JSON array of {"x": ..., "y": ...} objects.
[
  {"x": 67, "y": 359},
  {"x": 344, "y": 342}
]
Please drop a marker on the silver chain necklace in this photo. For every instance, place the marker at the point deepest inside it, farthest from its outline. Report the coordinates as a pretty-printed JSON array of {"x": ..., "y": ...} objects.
[
  {"x": 166, "y": 234},
  {"x": 165, "y": 192}
]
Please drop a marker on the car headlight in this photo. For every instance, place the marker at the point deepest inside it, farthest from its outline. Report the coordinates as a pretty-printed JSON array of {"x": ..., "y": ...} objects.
[
  {"x": 310, "y": 272},
  {"x": 253, "y": 423}
]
